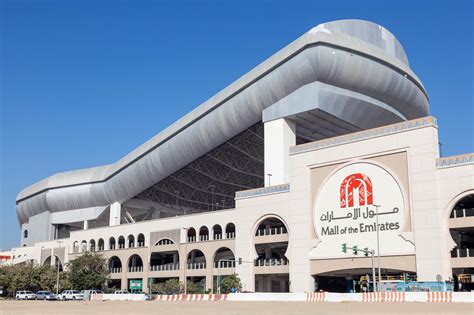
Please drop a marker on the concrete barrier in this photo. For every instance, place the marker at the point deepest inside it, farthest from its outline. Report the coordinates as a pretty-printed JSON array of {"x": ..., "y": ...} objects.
[
  {"x": 191, "y": 297},
  {"x": 118, "y": 297},
  {"x": 268, "y": 297}
]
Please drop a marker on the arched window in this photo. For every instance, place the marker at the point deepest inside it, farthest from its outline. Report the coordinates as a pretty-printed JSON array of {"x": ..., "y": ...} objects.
[
  {"x": 141, "y": 240},
  {"x": 164, "y": 241},
  {"x": 271, "y": 226},
  {"x": 230, "y": 231},
  {"x": 203, "y": 233},
  {"x": 83, "y": 246},
  {"x": 131, "y": 241},
  {"x": 25, "y": 234},
  {"x": 92, "y": 245},
  {"x": 121, "y": 242},
  {"x": 191, "y": 235},
  {"x": 224, "y": 258},
  {"x": 217, "y": 232},
  {"x": 111, "y": 243},
  {"x": 100, "y": 244},
  {"x": 115, "y": 265},
  {"x": 135, "y": 263},
  {"x": 196, "y": 260}
]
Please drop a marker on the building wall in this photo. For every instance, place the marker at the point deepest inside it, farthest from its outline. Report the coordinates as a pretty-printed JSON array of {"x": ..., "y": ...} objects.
[{"x": 430, "y": 191}]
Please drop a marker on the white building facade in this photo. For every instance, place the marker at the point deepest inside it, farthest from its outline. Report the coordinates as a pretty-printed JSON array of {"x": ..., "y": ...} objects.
[{"x": 296, "y": 159}]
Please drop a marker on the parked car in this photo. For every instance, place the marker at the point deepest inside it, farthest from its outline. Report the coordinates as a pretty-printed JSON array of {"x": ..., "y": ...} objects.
[
  {"x": 25, "y": 295},
  {"x": 45, "y": 295},
  {"x": 71, "y": 295}
]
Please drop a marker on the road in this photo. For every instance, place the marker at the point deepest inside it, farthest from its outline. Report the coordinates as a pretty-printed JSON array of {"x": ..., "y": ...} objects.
[{"x": 229, "y": 308}]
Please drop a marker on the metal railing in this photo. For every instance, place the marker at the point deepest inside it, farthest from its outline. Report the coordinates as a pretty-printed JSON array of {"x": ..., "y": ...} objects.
[
  {"x": 135, "y": 269},
  {"x": 167, "y": 267},
  {"x": 271, "y": 262},
  {"x": 462, "y": 213},
  {"x": 115, "y": 270},
  {"x": 225, "y": 264},
  {"x": 462, "y": 252},
  {"x": 199, "y": 265},
  {"x": 272, "y": 231}
]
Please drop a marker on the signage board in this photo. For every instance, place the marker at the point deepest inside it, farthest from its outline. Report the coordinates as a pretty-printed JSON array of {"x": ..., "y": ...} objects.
[
  {"x": 136, "y": 285},
  {"x": 349, "y": 203}
]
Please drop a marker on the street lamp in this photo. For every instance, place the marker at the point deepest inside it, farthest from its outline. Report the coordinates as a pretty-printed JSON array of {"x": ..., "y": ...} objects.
[
  {"x": 185, "y": 260},
  {"x": 57, "y": 262},
  {"x": 378, "y": 242}
]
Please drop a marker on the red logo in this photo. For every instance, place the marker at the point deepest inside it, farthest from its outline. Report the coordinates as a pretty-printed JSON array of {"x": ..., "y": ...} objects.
[{"x": 360, "y": 181}]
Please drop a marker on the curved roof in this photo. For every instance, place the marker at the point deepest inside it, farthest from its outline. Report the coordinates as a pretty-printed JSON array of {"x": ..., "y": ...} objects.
[{"x": 353, "y": 55}]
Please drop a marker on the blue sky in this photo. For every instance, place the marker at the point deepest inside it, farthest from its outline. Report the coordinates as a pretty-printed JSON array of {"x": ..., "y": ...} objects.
[{"x": 82, "y": 83}]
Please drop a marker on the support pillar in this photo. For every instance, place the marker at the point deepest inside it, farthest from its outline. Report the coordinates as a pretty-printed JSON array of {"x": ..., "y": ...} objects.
[
  {"x": 115, "y": 214},
  {"x": 86, "y": 225},
  {"x": 280, "y": 135}
]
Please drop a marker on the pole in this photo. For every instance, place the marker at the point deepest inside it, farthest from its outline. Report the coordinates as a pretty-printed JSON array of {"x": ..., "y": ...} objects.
[
  {"x": 185, "y": 261},
  {"x": 378, "y": 242},
  {"x": 57, "y": 274},
  {"x": 374, "y": 285}
]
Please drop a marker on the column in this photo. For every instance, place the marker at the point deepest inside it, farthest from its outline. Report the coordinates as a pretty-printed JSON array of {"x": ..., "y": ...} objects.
[
  {"x": 280, "y": 135},
  {"x": 86, "y": 225},
  {"x": 115, "y": 213}
]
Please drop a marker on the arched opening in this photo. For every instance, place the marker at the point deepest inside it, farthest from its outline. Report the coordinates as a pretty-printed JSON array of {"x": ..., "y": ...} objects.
[
  {"x": 135, "y": 263},
  {"x": 83, "y": 246},
  {"x": 75, "y": 247},
  {"x": 271, "y": 255},
  {"x": 112, "y": 243},
  {"x": 230, "y": 231},
  {"x": 25, "y": 234},
  {"x": 217, "y": 232},
  {"x": 164, "y": 241},
  {"x": 92, "y": 245},
  {"x": 121, "y": 242},
  {"x": 271, "y": 226},
  {"x": 53, "y": 261},
  {"x": 141, "y": 240},
  {"x": 463, "y": 236},
  {"x": 224, "y": 258},
  {"x": 196, "y": 260},
  {"x": 203, "y": 233},
  {"x": 191, "y": 236},
  {"x": 131, "y": 241},
  {"x": 100, "y": 244},
  {"x": 163, "y": 261},
  {"x": 115, "y": 265}
]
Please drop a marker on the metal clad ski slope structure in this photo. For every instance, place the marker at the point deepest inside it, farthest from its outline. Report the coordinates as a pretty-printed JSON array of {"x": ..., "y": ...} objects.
[{"x": 358, "y": 59}]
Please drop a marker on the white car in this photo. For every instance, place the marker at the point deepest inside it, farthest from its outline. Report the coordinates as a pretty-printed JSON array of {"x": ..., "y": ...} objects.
[
  {"x": 25, "y": 295},
  {"x": 71, "y": 295}
]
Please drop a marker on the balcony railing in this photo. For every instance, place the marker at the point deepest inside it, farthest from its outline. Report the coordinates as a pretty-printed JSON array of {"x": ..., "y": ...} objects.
[
  {"x": 462, "y": 213},
  {"x": 217, "y": 236},
  {"x": 224, "y": 264},
  {"x": 199, "y": 265},
  {"x": 168, "y": 267},
  {"x": 271, "y": 262},
  {"x": 230, "y": 235},
  {"x": 135, "y": 269},
  {"x": 141, "y": 244},
  {"x": 203, "y": 238},
  {"x": 462, "y": 252},
  {"x": 272, "y": 231},
  {"x": 115, "y": 270}
]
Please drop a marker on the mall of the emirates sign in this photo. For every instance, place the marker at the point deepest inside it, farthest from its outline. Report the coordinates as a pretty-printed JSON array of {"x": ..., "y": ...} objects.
[{"x": 348, "y": 205}]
